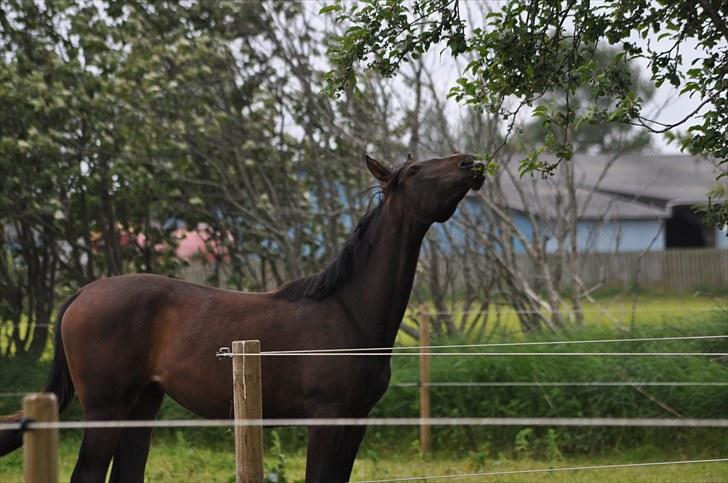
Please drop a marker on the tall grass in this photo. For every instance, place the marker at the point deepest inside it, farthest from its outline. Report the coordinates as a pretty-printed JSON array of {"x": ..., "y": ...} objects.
[
  {"x": 624, "y": 401},
  {"x": 542, "y": 401}
]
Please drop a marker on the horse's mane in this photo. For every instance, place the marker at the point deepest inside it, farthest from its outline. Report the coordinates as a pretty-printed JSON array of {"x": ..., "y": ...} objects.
[{"x": 337, "y": 272}]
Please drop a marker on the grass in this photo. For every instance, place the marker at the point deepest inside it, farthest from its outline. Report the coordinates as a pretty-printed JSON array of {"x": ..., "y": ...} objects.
[
  {"x": 173, "y": 460},
  {"x": 617, "y": 312},
  {"x": 206, "y": 455}
]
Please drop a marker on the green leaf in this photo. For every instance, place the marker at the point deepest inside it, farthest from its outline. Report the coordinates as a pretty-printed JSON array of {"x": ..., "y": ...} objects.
[
  {"x": 330, "y": 8},
  {"x": 540, "y": 111}
]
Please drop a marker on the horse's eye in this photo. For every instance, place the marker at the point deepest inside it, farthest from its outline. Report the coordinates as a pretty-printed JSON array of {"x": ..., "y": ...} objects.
[{"x": 413, "y": 170}]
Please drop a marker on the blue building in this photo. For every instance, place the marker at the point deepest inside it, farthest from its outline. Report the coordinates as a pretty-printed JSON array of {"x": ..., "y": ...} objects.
[{"x": 627, "y": 203}]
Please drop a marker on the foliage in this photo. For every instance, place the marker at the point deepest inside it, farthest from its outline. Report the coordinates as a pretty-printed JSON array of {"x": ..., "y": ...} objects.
[
  {"x": 565, "y": 401},
  {"x": 184, "y": 454},
  {"x": 123, "y": 123},
  {"x": 520, "y": 51},
  {"x": 276, "y": 470},
  {"x": 588, "y": 135},
  {"x": 215, "y": 462},
  {"x": 89, "y": 166}
]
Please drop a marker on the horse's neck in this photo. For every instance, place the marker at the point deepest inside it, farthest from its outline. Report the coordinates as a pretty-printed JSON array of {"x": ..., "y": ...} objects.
[{"x": 384, "y": 271}]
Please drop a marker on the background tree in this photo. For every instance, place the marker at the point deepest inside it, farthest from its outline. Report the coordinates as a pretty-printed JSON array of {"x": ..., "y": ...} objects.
[
  {"x": 522, "y": 50},
  {"x": 284, "y": 212},
  {"x": 95, "y": 138},
  {"x": 122, "y": 123},
  {"x": 490, "y": 255}
]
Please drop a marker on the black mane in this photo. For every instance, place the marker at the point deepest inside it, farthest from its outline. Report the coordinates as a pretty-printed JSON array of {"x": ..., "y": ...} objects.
[{"x": 339, "y": 271}]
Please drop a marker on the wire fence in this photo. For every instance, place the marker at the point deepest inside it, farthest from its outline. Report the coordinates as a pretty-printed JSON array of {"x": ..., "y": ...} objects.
[
  {"x": 432, "y": 350},
  {"x": 356, "y": 353},
  {"x": 466, "y": 384},
  {"x": 420, "y": 350},
  {"x": 559, "y": 384},
  {"x": 512, "y": 344},
  {"x": 544, "y": 470},
  {"x": 425, "y": 350},
  {"x": 383, "y": 422},
  {"x": 619, "y": 310}
]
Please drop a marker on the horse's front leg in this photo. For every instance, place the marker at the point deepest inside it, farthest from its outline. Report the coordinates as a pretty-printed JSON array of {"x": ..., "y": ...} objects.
[
  {"x": 324, "y": 443},
  {"x": 350, "y": 441}
]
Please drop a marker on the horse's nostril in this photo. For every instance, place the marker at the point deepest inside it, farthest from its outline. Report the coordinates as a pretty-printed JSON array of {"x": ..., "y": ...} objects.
[{"x": 467, "y": 163}]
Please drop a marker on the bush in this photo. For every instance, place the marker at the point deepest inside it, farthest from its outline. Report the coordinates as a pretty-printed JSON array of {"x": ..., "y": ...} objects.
[
  {"x": 19, "y": 375},
  {"x": 571, "y": 401}
]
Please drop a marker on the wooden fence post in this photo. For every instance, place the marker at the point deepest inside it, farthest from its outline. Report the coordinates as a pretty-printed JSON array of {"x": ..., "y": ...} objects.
[
  {"x": 425, "y": 413},
  {"x": 248, "y": 404},
  {"x": 40, "y": 446}
]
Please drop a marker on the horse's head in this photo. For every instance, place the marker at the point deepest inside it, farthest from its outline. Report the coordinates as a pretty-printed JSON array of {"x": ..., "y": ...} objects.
[{"x": 429, "y": 190}]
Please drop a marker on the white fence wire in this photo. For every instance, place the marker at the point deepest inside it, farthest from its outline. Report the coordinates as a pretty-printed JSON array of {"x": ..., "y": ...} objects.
[
  {"x": 510, "y": 344},
  {"x": 357, "y": 353},
  {"x": 559, "y": 384},
  {"x": 523, "y": 384},
  {"x": 544, "y": 470},
  {"x": 283, "y": 422},
  {"x": 400, "y": 350}
]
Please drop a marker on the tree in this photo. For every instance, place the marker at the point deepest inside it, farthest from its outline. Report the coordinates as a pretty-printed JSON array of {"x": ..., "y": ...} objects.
[
  {"x": 589, "y": 137},
  {"x": 123, "y": 122},
  {"x": 283, "y": 212},
  {"x": 523, "y": 50},
  {"x": 531, "y": 258},
  {"x": 99, "y": 109}
]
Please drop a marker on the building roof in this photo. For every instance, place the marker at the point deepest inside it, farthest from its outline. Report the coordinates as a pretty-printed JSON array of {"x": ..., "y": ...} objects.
[
  {"x": 670, "y": 179},
  {"x": 633, "y": 186}
]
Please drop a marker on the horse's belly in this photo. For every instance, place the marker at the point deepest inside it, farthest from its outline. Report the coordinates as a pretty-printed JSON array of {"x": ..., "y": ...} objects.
[
  {"x": 345, "y": 388},
  {"x": 210, "y": 393}
]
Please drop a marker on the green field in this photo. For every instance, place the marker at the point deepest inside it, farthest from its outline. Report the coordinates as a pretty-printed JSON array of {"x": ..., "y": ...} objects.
[
  {"x": 181, "y": 461},
  {"x": 206, "y": 454},
  {"x": 616, "y": 312}
]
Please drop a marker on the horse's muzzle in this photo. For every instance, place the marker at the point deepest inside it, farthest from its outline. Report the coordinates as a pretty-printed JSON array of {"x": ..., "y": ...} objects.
[{"x": 477, "y": 175}]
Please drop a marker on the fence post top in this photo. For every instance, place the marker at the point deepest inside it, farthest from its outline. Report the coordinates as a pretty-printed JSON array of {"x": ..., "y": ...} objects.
[
  {"x": 40, "y": 396},
  {"x": 248, "y": 345}
]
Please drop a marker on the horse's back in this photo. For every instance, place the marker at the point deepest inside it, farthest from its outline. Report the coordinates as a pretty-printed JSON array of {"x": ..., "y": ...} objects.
[
  {"x": 122, "y": 333},
  {"x": 119, "y": 330},
  {"x": 127, "y": 303},
  {"x": 137, "y": 297}
]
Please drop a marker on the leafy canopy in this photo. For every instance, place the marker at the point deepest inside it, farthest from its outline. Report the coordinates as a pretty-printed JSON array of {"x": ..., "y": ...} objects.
[{"x": 521, "y": 50}]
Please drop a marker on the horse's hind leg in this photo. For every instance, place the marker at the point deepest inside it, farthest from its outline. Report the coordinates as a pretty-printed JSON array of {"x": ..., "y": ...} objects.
[
  {"x": 130, "y": 457},
  {"x": 98, "y": 446}
]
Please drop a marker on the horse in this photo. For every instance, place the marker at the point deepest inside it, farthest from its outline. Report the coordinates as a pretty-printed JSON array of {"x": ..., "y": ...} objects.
[{"x": 122, "y": 343}]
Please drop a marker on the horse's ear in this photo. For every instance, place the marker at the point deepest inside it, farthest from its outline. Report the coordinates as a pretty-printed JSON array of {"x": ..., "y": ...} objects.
[
  {"x": 410, "y": 159},
  {"x": 378, "y": 169}
]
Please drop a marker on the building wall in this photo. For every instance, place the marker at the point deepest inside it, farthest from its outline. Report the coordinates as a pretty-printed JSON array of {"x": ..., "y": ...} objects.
[
  {"x": 609, "y": 236},
  {"x": 721, "y": 238},
  {"x": 592, "y": 236},
  {"x": 621, "y": 236}
]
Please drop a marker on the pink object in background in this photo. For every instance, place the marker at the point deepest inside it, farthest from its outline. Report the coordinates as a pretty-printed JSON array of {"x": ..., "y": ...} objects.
[{"x": 195, "y": 244}]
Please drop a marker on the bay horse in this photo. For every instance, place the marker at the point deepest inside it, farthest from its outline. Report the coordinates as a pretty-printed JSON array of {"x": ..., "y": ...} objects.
[{"x": 122, "y": 343}]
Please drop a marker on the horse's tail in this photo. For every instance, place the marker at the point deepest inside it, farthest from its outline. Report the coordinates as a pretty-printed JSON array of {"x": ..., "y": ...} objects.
[{"x": 59, "y": 383}]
